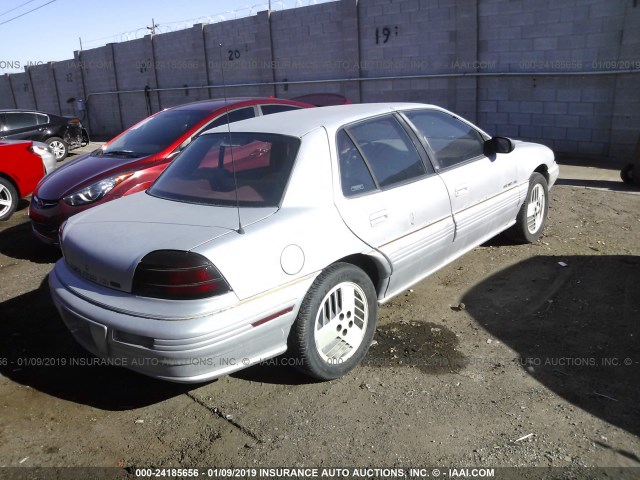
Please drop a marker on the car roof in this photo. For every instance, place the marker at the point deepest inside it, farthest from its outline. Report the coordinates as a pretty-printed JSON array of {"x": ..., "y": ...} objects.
[
  {"x": 25, "y": 110},
  {"x": 297, "y": 123},
  {"x": 216, "y": 103}
]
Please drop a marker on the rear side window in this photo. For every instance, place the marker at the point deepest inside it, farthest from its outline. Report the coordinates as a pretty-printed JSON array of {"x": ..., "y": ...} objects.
[
  {"x": 451, "y": 140},
  {"x": 204, "y": 172},
  {"x": 388, "y": 150},
  {"x": 269, "y": 109},
  {"x": 234, "y": 116},
  {"x": 42, "y": 119},
  {"x": 20, "y": 120},
  {"x": 354, "y": 173}
]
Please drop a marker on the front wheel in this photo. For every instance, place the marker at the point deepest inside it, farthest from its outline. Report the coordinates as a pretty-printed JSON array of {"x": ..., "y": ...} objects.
[
  {"x": 8, "y": 199},
  {"x": 336, "y": 322},
  {"x": 532, "y": 216},
  {"x": 59, "y": 147},
  {"x": 630, "y": 174}
]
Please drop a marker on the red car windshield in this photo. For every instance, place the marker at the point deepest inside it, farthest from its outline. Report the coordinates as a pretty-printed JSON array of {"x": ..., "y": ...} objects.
[
  {"x": 204, "y": 172},
  {"x": 155, "y": 133}
]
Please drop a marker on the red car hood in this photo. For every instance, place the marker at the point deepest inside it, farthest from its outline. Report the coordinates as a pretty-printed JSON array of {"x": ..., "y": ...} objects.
[{"x": 83, "y": 171}]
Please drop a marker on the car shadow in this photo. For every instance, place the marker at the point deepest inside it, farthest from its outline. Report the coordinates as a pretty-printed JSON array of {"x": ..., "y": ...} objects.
[
  {"x": 18, "y": 242},
  {"x": 39, "y": 351},
  {"x": 276, "y": 371},
  {"x": 600, "y": 184},
  {"x": 575, "y": 328}
]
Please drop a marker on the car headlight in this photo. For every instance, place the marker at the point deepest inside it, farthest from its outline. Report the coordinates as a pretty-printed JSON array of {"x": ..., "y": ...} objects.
[{"x": 94, "y": 192}]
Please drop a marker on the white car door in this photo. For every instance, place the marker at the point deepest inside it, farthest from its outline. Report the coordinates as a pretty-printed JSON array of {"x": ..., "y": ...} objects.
[
  {"x": 483, "y": 190},
  {"x": 392, "y": 199}
]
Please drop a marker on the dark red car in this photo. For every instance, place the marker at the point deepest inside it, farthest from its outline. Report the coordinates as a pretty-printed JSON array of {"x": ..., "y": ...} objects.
[
  {"x": 131, "y": 161},
  {"x": 20, "y": 171}
]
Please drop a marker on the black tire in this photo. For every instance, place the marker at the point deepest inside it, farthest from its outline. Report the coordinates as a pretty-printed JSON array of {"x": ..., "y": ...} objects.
[
  {"x": 302, "y": 338},
  {"x": 521, "y": 232},
  {"x": 59, "y": 147},
  {"x": 626, "y": 174},
  {"x": 9, "y": 195}
]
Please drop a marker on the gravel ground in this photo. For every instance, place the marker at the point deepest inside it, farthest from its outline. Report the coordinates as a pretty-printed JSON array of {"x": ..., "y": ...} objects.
[{"x": 515, "y": 355}]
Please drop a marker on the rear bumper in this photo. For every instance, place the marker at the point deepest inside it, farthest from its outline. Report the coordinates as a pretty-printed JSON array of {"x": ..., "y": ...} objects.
[{"x": 185, "y": 351}]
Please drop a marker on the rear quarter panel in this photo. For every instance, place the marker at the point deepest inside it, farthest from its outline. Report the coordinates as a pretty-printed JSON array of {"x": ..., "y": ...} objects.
[
  {"x": 308, "y": 220},
  {"x": 23, "y": 167}
]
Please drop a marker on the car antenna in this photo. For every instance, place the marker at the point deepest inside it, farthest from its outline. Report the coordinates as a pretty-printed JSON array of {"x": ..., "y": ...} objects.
[{"x": 240, "y": 230}]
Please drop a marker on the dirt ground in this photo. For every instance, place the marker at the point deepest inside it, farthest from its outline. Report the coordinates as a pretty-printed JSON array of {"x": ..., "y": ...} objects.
[{"x": 515, "y": 355}]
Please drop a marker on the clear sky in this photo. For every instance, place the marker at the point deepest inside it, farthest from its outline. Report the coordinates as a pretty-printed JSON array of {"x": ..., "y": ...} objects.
[{"x": 52, "y": 30}]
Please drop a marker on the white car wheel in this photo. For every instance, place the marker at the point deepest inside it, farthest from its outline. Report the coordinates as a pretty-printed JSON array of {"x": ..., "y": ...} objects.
[
  {"x": 8, "y": 199},
  {"x": 532, "y": 216},
  {"x": 336, "y": 322},
  {"x": 341, "y": 322},
  {"x": 536, "y": 209}
]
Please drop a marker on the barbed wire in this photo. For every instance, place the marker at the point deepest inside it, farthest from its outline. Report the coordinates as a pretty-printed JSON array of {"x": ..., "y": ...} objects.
[{"x": 167, "y": 27}]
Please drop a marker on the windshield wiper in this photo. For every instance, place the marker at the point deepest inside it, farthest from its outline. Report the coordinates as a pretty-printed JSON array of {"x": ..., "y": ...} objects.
[{"x": 120, "y": 153}]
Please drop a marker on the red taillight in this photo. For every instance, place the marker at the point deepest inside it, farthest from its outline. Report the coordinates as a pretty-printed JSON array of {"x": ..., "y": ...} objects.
[{"x": 177, "y": 275}]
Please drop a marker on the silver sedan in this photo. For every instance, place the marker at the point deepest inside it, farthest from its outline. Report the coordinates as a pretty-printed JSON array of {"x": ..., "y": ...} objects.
[{"x": 285, "y": 233}]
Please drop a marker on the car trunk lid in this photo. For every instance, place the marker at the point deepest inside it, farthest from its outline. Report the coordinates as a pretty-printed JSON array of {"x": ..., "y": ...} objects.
[{"x": 105, "y": 244}]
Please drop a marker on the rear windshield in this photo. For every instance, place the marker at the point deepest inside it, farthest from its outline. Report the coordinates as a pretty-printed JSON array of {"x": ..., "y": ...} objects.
[
  {"x": 156, "y": 133},
  {"x": 204, "y": 172}
]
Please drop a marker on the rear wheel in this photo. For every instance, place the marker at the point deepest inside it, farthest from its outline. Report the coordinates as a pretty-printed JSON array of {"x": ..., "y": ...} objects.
[
  {"x": 59, "y": 147},
  {"x": 8, "y": 199},
  {"x": 336, "y": 322},
  {"x": 532, "y": 216}
]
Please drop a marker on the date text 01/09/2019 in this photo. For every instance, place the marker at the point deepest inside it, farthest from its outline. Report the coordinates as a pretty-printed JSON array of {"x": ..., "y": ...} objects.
[{"x": 312, "y": 472}]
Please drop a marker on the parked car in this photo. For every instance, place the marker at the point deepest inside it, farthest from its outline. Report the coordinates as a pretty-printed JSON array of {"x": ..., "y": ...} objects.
[
  {"x": 286, "y": 235},
  {"x": 131, "y": 161},
  {"x": 60, "y": 133},
  {"x": 46, "y": 153},
  {"x": 21, "y": 168}
]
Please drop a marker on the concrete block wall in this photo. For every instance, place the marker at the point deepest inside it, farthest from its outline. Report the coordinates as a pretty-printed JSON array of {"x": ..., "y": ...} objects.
[
  {"x": 22, "y": 90},
  {"x": 244, "y": 57},
  {"x": 44, "y": 88},
  {"x": 98, "y": 71},
  {"x": 314, "y": 43},
  {"x": 180, "y": 61},
  {"x": 68, "y": 77},
  {"x": 6, "y": 94},
  {"x": 503, "y": 64},
  {"x": 571, "y": 114},
  {"x": 133, "y": 65},
  {"x": 416, "y": 37}
]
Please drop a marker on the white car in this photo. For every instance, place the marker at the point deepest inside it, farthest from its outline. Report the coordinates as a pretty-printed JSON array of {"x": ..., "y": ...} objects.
[{"x": 285, "y": 233}]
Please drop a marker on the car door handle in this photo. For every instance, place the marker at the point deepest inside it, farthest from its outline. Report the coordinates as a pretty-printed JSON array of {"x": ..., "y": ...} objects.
[
  {"x": 462, "y": 190},
  {"x": 378, "y": 217}
]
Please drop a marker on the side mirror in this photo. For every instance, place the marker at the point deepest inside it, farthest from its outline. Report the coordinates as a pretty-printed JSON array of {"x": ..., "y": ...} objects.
[
  {"x": 498, "y": 145},
  {"x": 180, "y": 148}
]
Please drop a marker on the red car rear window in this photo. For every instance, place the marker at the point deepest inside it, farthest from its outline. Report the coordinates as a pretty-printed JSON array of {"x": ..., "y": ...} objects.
[{"x": 220, "y": 168}]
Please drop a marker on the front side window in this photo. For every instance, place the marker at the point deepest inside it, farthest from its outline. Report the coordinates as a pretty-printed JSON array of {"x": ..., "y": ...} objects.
[
  {"x": 388, "y": 150},
  {"x": 451, "y": 140},
  {"x": 204, "y": 172}
]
